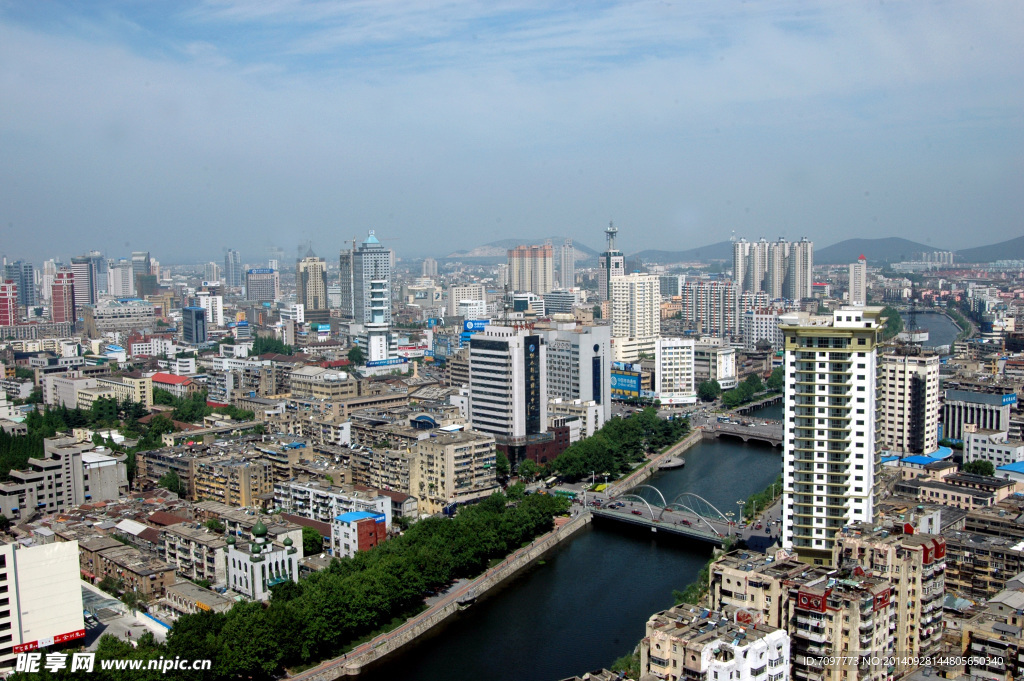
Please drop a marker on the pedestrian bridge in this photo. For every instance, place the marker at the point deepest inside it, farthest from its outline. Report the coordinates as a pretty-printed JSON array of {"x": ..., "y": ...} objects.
[{"x": 688, "y": 514}]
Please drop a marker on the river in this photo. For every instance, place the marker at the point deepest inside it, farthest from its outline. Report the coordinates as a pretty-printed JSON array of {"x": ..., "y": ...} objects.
[
  {"x": 941, "y": 329},
  {"x": 589, "y": 602}
]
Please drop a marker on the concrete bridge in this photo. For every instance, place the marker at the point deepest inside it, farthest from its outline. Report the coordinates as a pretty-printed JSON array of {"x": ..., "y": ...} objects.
[{"x": 771, "y": 433}]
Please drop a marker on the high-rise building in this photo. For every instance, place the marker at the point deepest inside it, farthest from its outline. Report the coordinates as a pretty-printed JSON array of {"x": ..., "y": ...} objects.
[
  {"x": 345, "y": 282},
  {"x": 987, "y": 411},
  {"x": 262, "y": 284},
  {"x": 84, "y": 269},
  {"x": 780, "y": 268},
  {"x": 800, "y": 270},
  {"x": 121, "y": 279},
  {"x": 909, "y": 400},
  {"x": 611, "y": 264},
  {"x": 710, "y": 307},
  {"x": 671, "y": 285},
  {"x": 9, "y": 315},
  {"x": 99, "y": 266},
  {"x": 62, "y": 297},
  {"x": 531, "y": 268},
  {"x": 24, "y": 275},
  {"x": 211, "y": 272},
  {"x": 214, "y": 306},
  {"x": 508, "y": 384},
  {"x": 830, "y": 457},
  {"x": 457, "y": 294},
  {"x": 141, "y": 263},
  {"x": 636, "y": 315},
  {"x": 429, "y": 267},
  {"x": 46, "y": 283},
  {"x": 311, "y": 288},
  {"x": 579, "y": 364},
  {"x": 859, "y": 282},
  {"x": 193, "y": 325},
  {"x": 233, "y": 273},
  {"x": 758, "y": 325},
  {"x": 371, "y": 269},
  {"x": 566, "y": 274}
]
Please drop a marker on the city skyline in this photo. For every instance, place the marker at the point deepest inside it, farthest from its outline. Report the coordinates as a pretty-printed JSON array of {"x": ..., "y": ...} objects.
[{"x": 158, "y": 126}]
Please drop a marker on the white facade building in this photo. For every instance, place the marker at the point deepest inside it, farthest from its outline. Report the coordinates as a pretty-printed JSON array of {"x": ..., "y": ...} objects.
[
  {"x": 859, "y": 282},
  {"x": 457, "y": 294},
  {"x": 214, "y": 306},
  {"x": 42, "y": 591},
  {"x": 636, "y": 315},
  {"x": 909, "y": 401},
  {"x": 254, "y": 567},
  {"x": 830, "y": 455},
  {"x": 674, "y": 378}
]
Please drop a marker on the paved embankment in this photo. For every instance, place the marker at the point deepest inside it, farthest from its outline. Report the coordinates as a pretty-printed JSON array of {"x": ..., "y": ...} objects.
[
  {"x": 372, "y": 651},
  {"x": 651, "y": 467}
]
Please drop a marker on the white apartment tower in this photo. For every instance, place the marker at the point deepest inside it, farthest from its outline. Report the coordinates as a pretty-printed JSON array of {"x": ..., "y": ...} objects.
[
  {"x": 830, "y": 456},
  {"x": 859, "y": 282},
  {"x": 636, "y": 315},
  {"x": 611, "y": 264},
  {"x": 909, "y": 400}
]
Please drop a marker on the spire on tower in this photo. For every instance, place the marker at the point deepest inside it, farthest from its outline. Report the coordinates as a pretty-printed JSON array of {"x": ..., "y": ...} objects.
[{"x": 610, "y": 234}]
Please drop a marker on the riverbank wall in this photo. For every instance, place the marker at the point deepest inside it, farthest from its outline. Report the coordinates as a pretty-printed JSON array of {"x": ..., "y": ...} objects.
[
  {"x": 651, "y": 467},
  {"x": 371, "y": 652}
]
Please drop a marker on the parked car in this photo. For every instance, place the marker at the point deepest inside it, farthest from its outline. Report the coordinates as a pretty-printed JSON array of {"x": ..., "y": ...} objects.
[{"x": 637, "y": 512}]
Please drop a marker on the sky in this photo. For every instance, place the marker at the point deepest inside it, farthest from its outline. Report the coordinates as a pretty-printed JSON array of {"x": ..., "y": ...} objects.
[{"x": 185, "y": 128}]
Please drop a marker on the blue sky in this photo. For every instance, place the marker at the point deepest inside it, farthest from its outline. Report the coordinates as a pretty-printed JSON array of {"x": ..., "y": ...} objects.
[{"x": 188, "y": 127}]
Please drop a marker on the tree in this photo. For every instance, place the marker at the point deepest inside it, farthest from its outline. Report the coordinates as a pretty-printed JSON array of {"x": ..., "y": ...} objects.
[
  {"x": 979, "y": 467},
  {"x": 776, "y": 381},
  {"x": 110, "y": 585},
  {"x": 171, "y": 482},
  {"x": 708, "y": 391},
  {"x": 5, "y": 523},
  {"x": 356, "y": 355},
  {"x": 165, "y": 397},
  {"x": 501, "y": 464},
  {"x": 160, "y": 424},
  {"x": 893, "y": 322},
  {"x": 312, "y": 542},
  {"x": 214, "y": 525},
  {"x": 528, "y": 469},
  {"x": 753, "y": 381},
  {"x": 597, "y": 312}
]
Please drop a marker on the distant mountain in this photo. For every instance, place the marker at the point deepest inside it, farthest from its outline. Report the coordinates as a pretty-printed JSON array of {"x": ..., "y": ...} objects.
[
  {"x": 499, "y": 249},
  {"x": 889, "y": 249},
  {"x": 719, "y": 251},
  {"x": 1006, "y": 250}
]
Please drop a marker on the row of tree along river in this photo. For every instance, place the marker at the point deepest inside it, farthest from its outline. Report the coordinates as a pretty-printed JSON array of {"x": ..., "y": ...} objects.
[{"x": 588, "y": 603}]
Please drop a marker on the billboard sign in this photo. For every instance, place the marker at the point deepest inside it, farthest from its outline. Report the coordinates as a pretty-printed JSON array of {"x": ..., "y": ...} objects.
[
  {"x": 387, "y": 362},
  {"x": 475, "y": 325},
  {"x": 625, "y": 384}
]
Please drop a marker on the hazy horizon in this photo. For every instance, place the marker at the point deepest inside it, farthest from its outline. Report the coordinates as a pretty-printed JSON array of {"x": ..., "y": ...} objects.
[{"x": 187, "y": 128}]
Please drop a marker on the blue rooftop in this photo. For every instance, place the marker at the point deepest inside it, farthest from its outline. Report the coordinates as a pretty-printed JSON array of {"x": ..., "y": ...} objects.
[
  {"x": 919, "y": 460},
  {"x": 371, "y": 238},
  {"x": 354, "y": 516},
  {"x": 1013, "y": 467},
  {"x": 887, "y": 459}
]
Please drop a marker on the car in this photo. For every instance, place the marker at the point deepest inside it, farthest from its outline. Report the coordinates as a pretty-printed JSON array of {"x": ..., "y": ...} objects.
[
  {"x": 636, "y": 512},
  {"x": 759, "y": 527},
  {"x": 686, "y": 522}
]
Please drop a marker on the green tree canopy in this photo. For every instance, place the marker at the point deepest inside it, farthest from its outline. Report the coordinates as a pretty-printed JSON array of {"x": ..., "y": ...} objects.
[
  {"x": 708, "y": 391},
  {"x": 312, "y": 542},
  {"x": 776, "y": 381},
  {"x": 356, "y": 355},
  {"x": 979, "y": 467},
  {"x": 172, "y": 483}
]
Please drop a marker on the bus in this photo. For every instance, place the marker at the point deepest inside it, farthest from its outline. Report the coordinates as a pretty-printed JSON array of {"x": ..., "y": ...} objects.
[{"x": 551, "y": 482}]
